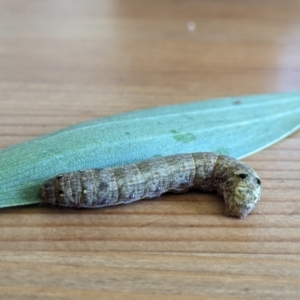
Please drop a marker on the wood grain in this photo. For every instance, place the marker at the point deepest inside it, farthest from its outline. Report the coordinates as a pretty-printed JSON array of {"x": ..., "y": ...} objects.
[{"x": 63, "y": 62}]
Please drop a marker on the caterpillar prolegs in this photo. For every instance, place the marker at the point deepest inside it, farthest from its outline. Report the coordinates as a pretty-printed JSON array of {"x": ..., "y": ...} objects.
[{"x": 237, "y": 183}]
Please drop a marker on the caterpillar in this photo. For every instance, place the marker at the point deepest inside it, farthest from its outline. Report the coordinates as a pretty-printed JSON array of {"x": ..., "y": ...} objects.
[{"x": 94, "y": 188}]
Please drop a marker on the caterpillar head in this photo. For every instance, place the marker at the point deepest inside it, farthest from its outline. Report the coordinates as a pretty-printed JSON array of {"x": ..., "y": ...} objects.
[{"x": 241, "y": 192}]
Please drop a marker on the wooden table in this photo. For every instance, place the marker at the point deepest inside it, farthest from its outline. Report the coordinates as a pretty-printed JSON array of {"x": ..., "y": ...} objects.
[{"x": 63, "y": 62}]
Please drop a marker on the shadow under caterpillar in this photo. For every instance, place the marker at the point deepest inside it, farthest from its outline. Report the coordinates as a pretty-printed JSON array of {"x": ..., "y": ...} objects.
[{"x": 237, "y": 183}]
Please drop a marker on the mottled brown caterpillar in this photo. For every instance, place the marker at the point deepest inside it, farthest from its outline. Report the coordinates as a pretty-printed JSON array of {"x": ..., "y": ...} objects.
[{"x": 237, "y": 183}]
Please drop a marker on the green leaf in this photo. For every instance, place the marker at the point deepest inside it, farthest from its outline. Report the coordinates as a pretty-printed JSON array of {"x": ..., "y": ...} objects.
[{"x": 236, "y": 126}]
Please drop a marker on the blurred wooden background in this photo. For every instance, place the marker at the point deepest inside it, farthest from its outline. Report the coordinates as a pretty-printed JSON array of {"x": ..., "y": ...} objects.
[{"x": 63, "y": 62}]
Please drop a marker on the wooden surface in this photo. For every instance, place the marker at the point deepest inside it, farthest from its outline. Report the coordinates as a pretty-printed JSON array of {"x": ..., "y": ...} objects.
[{"x": 62, "y": 62}]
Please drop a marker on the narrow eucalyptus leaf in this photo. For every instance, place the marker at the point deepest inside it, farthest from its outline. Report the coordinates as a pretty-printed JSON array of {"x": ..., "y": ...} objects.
[{"x": 236, "y": 127}]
